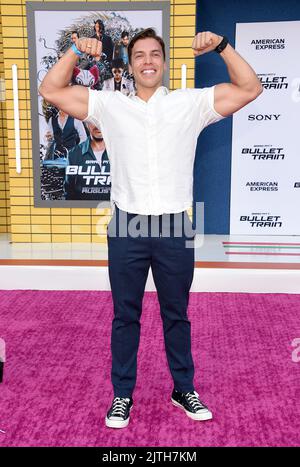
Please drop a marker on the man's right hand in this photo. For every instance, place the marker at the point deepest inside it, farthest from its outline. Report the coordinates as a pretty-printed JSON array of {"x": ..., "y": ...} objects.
[
  {"x": 56, "y": 88},
  {"x": 90, "y": 46}
]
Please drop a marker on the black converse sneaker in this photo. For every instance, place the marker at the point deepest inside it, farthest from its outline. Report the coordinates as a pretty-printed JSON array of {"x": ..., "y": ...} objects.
[
  {"x": 191, "y": 404},
  {"x": 118, "y": 414}
]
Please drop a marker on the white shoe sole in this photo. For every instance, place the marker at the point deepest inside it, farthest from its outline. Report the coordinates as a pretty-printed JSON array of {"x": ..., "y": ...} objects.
[
  {"x": 206, "y": 415},
  {"x": 117, "y": 423}
]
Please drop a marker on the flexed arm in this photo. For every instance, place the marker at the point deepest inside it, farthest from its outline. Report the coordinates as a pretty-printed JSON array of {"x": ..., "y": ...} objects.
[
  {"x": 55, "y": 86},
  {"x": 244, "y": 86}
]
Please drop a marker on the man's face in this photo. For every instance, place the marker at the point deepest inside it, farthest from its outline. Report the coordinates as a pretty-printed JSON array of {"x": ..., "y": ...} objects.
[
  {"x": 125, "y": 41},
  {"x": 95, "y": 133},
  {"x": 147, "y": 63},
  {"x": 74, "y": 37},
  {"x": 117, "y": 72}
]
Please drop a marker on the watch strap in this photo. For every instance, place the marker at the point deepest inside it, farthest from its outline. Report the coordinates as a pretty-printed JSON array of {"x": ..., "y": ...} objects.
[{"x": 222, "y": 45}]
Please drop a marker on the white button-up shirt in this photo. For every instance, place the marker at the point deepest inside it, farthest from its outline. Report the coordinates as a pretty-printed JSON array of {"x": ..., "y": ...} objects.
[{"x": 151, "y": 145}]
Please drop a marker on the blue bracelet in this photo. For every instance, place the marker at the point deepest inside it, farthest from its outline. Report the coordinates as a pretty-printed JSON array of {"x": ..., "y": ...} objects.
[{"x": 74, "y": 48}]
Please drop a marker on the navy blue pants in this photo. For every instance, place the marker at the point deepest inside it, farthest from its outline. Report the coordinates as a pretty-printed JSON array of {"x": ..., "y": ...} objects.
[{"x": 172, "y": 265}]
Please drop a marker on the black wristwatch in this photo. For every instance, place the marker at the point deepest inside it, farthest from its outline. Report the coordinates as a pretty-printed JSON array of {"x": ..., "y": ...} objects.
[{"x": 222, "y": 45}]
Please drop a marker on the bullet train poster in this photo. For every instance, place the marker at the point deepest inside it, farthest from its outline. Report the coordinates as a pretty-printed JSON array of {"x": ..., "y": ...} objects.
[{"x": 71, "y": 164}]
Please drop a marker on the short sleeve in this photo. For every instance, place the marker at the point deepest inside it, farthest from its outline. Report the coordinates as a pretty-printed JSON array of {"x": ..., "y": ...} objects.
[
  {"x": 96, "y": 106},
  {"x": 204, "y": 100}
]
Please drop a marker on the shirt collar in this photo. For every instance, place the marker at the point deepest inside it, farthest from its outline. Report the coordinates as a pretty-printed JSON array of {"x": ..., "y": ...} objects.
[
  {"x": 161, "y": 91},
  {"x": 86, "y": 146}
]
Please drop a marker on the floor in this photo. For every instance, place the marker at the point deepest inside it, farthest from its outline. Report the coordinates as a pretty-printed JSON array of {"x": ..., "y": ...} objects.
[
  {"x": 223, "y": 263},
  {"x": 209, "y": 248}
]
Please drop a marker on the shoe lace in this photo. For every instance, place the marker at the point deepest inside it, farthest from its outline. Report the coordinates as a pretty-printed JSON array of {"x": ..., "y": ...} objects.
[
  {"x": 119, "y": 406},
  {"x": 193, "y": 399}
]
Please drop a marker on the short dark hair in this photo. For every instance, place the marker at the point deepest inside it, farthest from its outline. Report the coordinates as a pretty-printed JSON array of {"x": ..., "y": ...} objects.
[
  {"x": 75, "y": 32},
  {"x": 144, "y": 34},
  {"x": 117, "y": 63},
  {"x": 124, "y": 34}
]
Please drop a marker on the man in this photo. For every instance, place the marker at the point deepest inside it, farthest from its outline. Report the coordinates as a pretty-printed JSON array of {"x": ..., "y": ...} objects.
[
  {"x": 121, "y": 49},
  {"x": 118, "y": 82},
  {"x": 105, "y": 39},
  {"x": 160, "y": 127},
  {"x": 63, "y": 133},
  {"x": 74, "y": 36},
  {"x": 88, "y": 170}
]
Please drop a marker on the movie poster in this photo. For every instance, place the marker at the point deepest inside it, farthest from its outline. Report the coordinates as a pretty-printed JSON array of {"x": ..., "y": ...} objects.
[{"x": 71, "y": 164}]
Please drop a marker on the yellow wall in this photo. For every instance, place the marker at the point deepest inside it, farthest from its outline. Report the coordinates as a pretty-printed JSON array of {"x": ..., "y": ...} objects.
[
  {"x": 30, "y": 224},
  {"x": 4, "y": 175}
]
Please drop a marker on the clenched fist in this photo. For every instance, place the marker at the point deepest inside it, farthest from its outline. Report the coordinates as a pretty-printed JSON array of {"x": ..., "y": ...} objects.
[
  {"x": 90, "y": 46},
  {"x": 205, "y": 42}
]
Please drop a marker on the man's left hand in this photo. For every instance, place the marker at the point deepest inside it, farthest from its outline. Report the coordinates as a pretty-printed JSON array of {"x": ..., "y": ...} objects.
[{"x": 205, "y": 42}]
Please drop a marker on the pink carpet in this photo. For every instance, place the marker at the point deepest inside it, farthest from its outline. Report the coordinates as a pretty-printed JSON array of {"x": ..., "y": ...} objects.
[{"x": 56, "y": 387}]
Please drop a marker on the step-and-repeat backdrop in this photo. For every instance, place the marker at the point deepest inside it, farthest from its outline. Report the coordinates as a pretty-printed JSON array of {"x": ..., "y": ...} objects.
[{"x": 265, "y": 176}]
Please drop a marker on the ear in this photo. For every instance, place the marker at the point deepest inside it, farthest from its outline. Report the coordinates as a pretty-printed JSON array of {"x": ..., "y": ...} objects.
[
  {"x": 130, "y": 68},
  {"x": 165, "y": 66}
]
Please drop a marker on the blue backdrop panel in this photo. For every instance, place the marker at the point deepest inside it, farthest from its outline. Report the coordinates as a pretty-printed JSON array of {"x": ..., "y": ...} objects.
[{"x": 212, "y": 168}]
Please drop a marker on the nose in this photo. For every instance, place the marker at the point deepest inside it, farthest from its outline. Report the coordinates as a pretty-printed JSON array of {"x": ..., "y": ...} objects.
[{"x": 148, "y": 59}]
